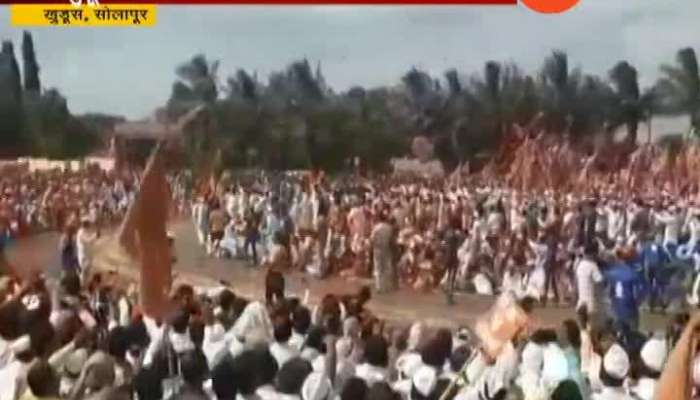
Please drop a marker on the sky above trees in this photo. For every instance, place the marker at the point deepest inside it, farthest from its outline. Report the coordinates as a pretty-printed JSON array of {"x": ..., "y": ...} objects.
[{"x": 131, "y": 71}]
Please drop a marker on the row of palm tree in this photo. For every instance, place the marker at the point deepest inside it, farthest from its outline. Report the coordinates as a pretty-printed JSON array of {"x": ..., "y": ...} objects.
[{"x": 294, "y": 120}]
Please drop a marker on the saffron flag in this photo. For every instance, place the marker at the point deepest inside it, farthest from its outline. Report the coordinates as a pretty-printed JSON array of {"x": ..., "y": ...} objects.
[
  {"x": 20, "y": 260},
  {"x": 500, "y": 324},
  {"x": 143, "y": 236},
  {"x": 5, "y": 267}
]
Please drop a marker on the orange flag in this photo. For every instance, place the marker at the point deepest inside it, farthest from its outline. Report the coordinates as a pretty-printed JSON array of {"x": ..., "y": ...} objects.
[
  {"x": 503, "y": 321},
  {"x": 5, "y": 267},
  {"x": 20, "y": 261},
  {"x": 143, "y": 235}
]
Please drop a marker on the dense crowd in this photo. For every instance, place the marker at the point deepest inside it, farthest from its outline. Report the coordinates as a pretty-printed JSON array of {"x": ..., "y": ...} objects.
[
  {"x": 78, "y": 204},
  {"x": 84, "y": 336},
  {"x": 70, "y": 339},
  {"x": 484, "y": 238},
  {"x": 51, "y": 200}
]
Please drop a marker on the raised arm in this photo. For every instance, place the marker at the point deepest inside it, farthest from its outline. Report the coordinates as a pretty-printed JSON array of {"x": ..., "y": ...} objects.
[{"x": 674, "y": 383}]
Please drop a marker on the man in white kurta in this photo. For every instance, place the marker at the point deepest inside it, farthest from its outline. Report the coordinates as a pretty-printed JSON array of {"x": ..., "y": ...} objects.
[
  {"x": 616, "y": 222},
  {"x": 381, "y": 238},
  {"x": 85, "y": 239},
  {"x": 304, "y": 213},
  {"x": 200, "y": 219},
  {"x": 588, "y": 276},
  {"x": 671, "y": 221}
]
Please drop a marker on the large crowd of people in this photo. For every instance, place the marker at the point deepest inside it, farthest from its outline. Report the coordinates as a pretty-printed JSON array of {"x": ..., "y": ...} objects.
[
  {"x": 67, "y": 339},
  {"x": 53, "y": 199},
  {"x": 606, "y": 253},
  {"x": 486, "y": 238},
  {"x": 78, "y": 204}
]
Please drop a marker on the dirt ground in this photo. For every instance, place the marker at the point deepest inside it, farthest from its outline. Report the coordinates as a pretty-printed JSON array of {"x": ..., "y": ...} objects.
[{"x": 193, "y": 265}]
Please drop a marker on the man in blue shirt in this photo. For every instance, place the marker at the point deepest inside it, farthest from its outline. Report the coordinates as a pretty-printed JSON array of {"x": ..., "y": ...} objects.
[
  {"x": 627, "y": 289},
  {"x": 654, "y": 259}
]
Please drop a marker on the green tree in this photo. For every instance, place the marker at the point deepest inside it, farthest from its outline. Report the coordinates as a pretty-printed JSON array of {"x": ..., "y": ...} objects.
[
  {"x": 559, "y": 87},
  {"x": 243, "y": 87},
  {"x": 632, "y": 106},
  {"x": 12, "y": 140},
  {"x": 55, "y": 132},
  {"x": 32, "y": 122},
  {"x": 679, "y": 88},
  {"x": 196, "y": 84},
  {"x": 424, "y": 100},
  {"x": 306, "y": 99},
  {"x": 30, "y": 65},
  {"x": 495, "y": 100},
  {"x": 593, "y": 108},
  {"x": 572, "y": 102}
]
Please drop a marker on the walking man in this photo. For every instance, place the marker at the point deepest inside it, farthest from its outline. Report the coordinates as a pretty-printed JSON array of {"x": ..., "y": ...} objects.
[
  {"x": 452, "y": 241},
  {"x": 85, "y": 238},
  {"x": 252, "y": 235},
  {"x": 588, "y": 278}
]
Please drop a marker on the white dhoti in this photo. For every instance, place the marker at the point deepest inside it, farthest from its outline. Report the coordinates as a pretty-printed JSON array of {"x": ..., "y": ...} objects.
[
  {"x": 536, "y": 283},
  {"x": 383, "y": 271},
  {"x": 85, "y": 262},
  {"x": 230, "y": 245},
  {"x": 513, "y": 283},
  {"x": 202, "y": 234}
]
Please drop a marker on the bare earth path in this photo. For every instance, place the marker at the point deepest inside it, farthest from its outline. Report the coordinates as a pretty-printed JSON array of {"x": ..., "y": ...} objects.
[{"x": 41, "y": 251}]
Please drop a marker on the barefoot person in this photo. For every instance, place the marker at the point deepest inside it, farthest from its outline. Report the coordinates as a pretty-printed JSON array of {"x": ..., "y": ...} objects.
[{"x": 217, "y": 225}]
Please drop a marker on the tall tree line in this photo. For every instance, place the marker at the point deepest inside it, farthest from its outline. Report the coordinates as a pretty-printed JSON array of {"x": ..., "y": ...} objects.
[
  {"x": 34, "y": 121},
  {"x": 294, "y": 120}
]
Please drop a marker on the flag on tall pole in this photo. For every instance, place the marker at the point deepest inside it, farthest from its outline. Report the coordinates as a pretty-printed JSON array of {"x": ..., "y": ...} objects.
[{"x": 143, "y": 235}]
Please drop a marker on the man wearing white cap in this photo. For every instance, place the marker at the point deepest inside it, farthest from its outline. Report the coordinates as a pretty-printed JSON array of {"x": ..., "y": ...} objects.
[
  {"x": 653, "y": 355},
  {"x": 616, "y": 365},
  {"x": 72, "y": 366},
  {"x": 316, "y": 386},
  {"x": 14, "y": 375},
  {"x": 424, "y": 382}
]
